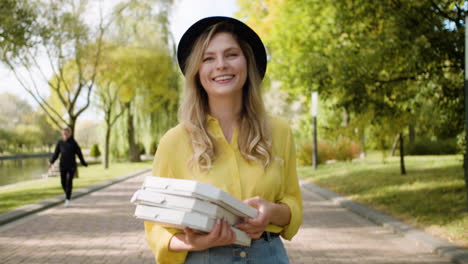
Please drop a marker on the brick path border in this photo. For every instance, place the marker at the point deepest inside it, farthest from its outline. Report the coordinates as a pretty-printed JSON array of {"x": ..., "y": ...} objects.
[
  {"x": 26, "y": 210},
  {"x": 439, "y": 246}
]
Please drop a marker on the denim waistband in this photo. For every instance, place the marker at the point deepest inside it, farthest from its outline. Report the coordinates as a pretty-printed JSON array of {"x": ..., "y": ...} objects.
[
  {"x": 268, "y": 235},
  {"x": 263, "y": 250}
]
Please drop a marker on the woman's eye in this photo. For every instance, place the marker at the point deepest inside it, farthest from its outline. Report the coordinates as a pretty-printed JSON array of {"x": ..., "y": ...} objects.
[
  {"x": 208, "y": 59},
  {"x": 232, "y": 55}
]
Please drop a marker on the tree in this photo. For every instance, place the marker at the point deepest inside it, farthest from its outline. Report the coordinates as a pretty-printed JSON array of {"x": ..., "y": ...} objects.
[
  {"x": 12, "y": 110},
  {"x": 73, "y": 50},
  {"x": 109, "y": 85},
  {"x": 147, "y": 88},
  {"x": 23, "y": 127},
  {"x": 17, "y": 27},
  {"x": 380, "y": 60}
]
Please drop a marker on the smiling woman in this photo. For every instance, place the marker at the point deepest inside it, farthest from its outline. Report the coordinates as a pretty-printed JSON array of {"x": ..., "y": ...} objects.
[{"x": 226, "y": 139}]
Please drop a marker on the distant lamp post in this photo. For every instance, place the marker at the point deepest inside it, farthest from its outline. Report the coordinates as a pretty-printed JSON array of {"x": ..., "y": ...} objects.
[
  {"x": 314, "y": 112},
  {"x": 466, "y": 114}
]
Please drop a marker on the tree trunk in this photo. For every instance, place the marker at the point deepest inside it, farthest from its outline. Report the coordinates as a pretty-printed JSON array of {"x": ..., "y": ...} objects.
[
  {"x": 363, "y": 142},
  {"x": 402, "y": 156},
  {"x": 346, "y": 118},
  {"x": 106, "y": 145},
  {"x": 133, "y": 151},
  {"x": 412, "y": 134},
  {"x": 395, "y": 145},
  {"x": 72, "y": 125}
]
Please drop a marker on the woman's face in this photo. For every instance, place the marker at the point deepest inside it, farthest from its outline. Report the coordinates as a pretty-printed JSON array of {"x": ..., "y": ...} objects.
[{"x": 223, "y": 70}]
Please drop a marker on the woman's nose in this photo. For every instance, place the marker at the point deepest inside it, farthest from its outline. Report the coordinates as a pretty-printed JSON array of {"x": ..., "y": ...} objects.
[{"x": 221, "y": 63}]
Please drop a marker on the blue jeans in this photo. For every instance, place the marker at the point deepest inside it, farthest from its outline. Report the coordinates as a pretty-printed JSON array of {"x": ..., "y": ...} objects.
[{"x": 261, "y": 251}]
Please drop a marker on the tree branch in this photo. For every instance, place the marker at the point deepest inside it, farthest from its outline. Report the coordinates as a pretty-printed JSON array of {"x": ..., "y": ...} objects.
[
  {"x": 42, "y": 104},
  {"x": 122, "y": 111},
  {"x": 61, "y": 66},
  {"x": 446, "y": 15},
  {"x": 37, "y": 95},
  {"x": 56, "y": 88},
  {"x": 397, "y": 79},
  {"x": 460, "y": 16},
  {"x": 95, "y": 68}
]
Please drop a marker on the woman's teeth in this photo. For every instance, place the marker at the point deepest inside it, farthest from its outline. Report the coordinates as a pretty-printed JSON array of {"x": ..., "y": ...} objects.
[{"x": 222, "y": 78}]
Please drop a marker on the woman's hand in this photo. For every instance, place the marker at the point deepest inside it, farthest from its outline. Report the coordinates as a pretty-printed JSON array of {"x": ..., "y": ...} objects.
[
  {"x": 221, "y": 235},
  {"x": 254, "y": 227}
]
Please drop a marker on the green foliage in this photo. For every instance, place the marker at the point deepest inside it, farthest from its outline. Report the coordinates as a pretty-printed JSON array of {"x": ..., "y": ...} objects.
[
  {"x": 27, "y": 137},
  {"x": 426, "y": 146},
  {"x": 153, "y": 147},
  {"x": 141, "y": 148},
  {"x": 71, "y": 47},
  {"x": 461, "y": 143},
  {"x": 13, "y": 110},
  {"x": 387, "y": 63},
  {"x": 6, "y": 139},
  {"x": 21, "y": 128},
  {"x": 95, "y": 152},
  {"x": 18, "y": 27},
  {"x": 144, "y": 74}
]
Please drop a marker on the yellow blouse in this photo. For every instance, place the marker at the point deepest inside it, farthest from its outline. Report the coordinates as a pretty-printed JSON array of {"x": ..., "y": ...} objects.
[{"x": 231, "y": 173}]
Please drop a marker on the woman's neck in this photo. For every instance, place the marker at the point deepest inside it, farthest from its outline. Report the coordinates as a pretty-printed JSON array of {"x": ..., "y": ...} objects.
[{"x": 227, "y": 112}]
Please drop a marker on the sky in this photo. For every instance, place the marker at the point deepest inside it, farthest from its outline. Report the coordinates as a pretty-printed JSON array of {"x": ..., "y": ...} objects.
[{"x": 184, "y": 14}]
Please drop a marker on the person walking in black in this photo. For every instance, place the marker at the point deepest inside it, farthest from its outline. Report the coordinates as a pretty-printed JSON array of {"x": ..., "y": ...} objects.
[{"x": 67, "y": 148}]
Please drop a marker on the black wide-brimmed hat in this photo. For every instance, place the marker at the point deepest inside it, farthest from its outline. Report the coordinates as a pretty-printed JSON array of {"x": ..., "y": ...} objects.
[{"x": 243, "y": 31}]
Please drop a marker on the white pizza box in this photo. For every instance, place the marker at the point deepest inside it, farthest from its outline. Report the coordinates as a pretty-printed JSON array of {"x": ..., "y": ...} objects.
[
  {"x": 188, "y": 204},
  {"x": 199, "y": 190},
  {"x": 180, "y": 219}
]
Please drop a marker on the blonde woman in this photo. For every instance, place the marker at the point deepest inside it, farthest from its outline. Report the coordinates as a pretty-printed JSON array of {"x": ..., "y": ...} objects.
[{"x": 226, "y": 139}]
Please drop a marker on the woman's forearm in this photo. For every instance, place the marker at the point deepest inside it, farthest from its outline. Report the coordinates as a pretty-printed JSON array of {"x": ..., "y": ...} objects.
[
  {"x": 280, "y": 214},
  {"x": 178, "y": 243},
  {"x": 221, "y": 234}
]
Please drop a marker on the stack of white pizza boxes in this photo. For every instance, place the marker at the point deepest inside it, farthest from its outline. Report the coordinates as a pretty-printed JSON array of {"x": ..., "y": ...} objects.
[{"x": 185, "y": 203}]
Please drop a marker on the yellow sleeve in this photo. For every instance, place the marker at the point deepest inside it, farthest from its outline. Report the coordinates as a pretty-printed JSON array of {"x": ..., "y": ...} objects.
[
  {"x": 157, "y": 236},
  {"x": 291, "y": 190}
]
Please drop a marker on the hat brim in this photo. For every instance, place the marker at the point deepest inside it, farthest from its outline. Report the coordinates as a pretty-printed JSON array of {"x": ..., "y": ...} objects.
[{"x": 243, "y": 31}]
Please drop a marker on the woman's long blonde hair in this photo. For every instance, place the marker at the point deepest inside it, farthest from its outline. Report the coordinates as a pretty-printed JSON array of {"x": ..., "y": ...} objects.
[{"x": 254, "y": 137}]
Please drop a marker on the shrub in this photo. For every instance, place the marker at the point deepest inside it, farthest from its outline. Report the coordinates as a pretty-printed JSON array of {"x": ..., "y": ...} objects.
[
  {"x": 304, "y": 154},
  {"x": 141, "y": 148},
  {"x": 346, "y": 150},
  {"x": 95, "y": 152},
  {"x": 461, "y": 143},
  {"x": 325, "y": 151},
  {"x": 426, "y": 146},
  {"x": 343, "y": 150}
]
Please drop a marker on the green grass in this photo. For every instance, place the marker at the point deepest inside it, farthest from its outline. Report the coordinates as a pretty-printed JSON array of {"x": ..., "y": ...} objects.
[
  {"x": 431, "y": 195},
  {"x": 24, "y": 194}
]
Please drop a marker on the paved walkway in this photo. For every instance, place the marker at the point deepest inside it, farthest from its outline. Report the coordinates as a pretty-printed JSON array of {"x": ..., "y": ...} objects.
[
  {"x": 100, "y": 228},
  {"x": 331, "y": 234}
]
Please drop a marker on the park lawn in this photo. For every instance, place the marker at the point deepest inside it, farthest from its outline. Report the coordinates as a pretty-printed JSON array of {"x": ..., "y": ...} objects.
[
  {"x": 24, "y": 194},
  {"x": 430, "y": 196}
]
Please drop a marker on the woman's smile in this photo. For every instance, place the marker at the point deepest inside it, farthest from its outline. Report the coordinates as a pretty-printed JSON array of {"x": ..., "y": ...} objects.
[{"x": 223, "y": 78}]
